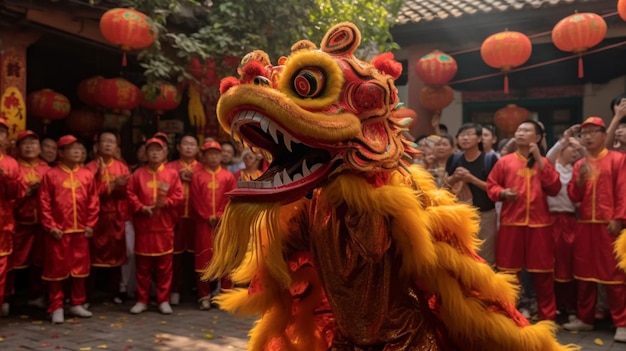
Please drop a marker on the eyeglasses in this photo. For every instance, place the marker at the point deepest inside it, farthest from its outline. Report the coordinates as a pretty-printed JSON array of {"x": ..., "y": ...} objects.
[
  {"x": 466, "y": 135},
  {"x": 590, "y": 132}
]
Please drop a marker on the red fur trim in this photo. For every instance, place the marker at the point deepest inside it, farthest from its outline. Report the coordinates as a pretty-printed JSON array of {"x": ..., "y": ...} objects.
[
  {"x": 386, "y": 64},
  {"x": 252, "y": 69},
  {"x": 227, "y": 83}
]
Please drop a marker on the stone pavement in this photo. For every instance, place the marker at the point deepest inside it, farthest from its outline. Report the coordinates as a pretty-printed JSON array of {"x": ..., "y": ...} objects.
[
  {"x": 113, "y": 328},
  {"x": 188, "y": 328}
]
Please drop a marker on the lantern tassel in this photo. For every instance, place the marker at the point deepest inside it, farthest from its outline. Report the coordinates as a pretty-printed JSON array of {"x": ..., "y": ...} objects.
[
  {"x": 506, "y": 84},
  {"x": 581, "y": 68},
  {"x": 124, "y": 60}
]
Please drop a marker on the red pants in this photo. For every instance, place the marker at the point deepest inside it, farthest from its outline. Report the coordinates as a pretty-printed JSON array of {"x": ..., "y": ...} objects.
[
  {"x": 108, "y": 243},
  {"x": 161, "y": 267},
  {"x": 66, "y": 256},
  {"x": 587, "y": 294},
  {"x": 544, "y": 290},
  {"x": 56, "y": 296},
  {"x": 3, "y": 276},
  {"x": 206, "y": 287},
  {"x": 525, "y": 247},
  {"x": 27, "y": 246},
  {"x": 563, "y": 231},
  {"x": 184, "y": 235}
]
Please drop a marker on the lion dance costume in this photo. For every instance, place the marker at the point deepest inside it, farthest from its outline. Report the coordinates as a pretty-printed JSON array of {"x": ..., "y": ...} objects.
[{"x": 342, "y": 244}]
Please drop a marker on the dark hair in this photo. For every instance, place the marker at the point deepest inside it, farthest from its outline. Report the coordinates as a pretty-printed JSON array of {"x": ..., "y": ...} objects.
[
  {"x": 490, "y": 128},
  {"x": 182, "y": 136},
  {"x": 47, "y": 136},
  {"x": 107, "y": 131},
  {"x": 231, "y": 144},
  {"x": 450, "y": 138},
  {"x": 476, "y": 127},
  {"x": 622, "y": 120},
  {"x": 420, "y": 137},
  {"x": 443, "y": 127},
  {"x": 616, "y": 101},
  {"x": 538, "y": 130}
]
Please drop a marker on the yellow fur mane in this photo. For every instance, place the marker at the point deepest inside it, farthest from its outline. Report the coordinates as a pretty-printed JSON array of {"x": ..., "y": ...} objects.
[{"x": 435, "y": 236}]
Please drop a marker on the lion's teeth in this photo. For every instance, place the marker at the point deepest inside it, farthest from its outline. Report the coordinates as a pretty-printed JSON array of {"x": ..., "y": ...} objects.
[
  {"x": 315, "y": 167},
  {"x": 264, "y": 124},
  {"x": 277, "y": 181},
  {"x": 287, "y": 140},
  {"x": 305, "y": 169},
  {"x": 272, "y": 131},
  {"x": 286, "y": 178}
]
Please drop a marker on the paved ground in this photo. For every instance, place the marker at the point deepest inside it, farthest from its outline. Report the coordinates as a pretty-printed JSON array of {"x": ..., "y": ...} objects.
[{"x": 113, "y": 328}]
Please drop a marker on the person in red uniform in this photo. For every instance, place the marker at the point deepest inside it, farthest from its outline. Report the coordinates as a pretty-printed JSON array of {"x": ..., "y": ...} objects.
[
  {"x": 598, "y": 184},
  {"x": 29, "y": 234},
  {"x": 208, "y": 199},
  {"x": 186, "y": 166},
  {"x": 11, "y": 188},
  {"x": 108, "y": 244},
  {"x": 522, "y": 181},
  {"x": 154, "y": 192},
  {"x": 69, "y": 211}
]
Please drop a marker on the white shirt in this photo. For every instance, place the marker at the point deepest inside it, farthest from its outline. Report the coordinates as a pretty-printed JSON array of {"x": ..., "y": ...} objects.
[{"x": 561, "y": 202}]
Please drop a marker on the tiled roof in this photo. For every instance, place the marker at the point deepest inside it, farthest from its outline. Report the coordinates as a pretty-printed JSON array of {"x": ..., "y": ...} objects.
[{"x": 415, "y": 11}]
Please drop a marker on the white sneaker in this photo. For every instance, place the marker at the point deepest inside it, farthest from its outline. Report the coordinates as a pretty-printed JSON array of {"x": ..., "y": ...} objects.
[
  {"x": 174, "y": 298},
  {"x": 620, "y": 334},
  {"x": 39, "y": 302},
  {"x": 571, "y": 317},
  {"x": 57, "y": 316},
  {"x": 165, "y": 308},
  {"x": 80, "y": 311},
  {"x": 578, "y": 325},
  {"x": 205, "y": 305},
  {"x": 6, "y": 309},
  {"x": 138, "y": 308}
]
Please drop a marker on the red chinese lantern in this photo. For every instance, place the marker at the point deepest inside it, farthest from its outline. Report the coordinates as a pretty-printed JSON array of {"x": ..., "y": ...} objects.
[
  {"x": 508, "y": 118},
  {"x": 436, "y": 98},
  {"x": 117, "y": 94},
  {"x": 436, "y": 68},
  {"x": 577, "y": 33},
  {"x": 128, "y": 29},
  {"x": 84, "y": 122},
  {"x": 87, "y": 90},
  {"x": 162, "y": 97},
  {"x": 505, "y": 51},
  {"x": 47, "y": 105},
  {"x": 621, "y": 9}
]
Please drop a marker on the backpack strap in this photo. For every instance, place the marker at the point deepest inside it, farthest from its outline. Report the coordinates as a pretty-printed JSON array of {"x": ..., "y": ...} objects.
[{"x": 489, "y": 159}]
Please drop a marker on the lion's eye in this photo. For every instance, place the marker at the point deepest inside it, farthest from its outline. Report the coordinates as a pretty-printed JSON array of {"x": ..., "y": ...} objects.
[{"x": 309, "y": 82}]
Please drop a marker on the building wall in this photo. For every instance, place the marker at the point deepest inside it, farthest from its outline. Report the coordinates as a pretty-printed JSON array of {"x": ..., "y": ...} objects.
[{"x": 598, "y": 97}]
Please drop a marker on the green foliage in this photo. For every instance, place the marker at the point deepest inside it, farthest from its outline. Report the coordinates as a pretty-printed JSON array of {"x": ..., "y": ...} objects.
[{"x": 236, "y": 27}]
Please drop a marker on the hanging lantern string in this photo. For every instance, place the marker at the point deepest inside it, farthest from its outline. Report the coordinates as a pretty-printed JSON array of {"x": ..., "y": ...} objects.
[
  {"x": 536, "y": 35},
  {"x": 540, "y": 64}
]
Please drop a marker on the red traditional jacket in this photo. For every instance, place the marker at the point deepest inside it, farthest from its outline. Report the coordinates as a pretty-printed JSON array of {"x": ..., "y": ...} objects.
[
  {"x": 68, "y": 199},
  {"x": 208, "y": 192},
  {"x": 11, "y": 188},
  {"x": 532, "y": 186},
  {"x": 154, "y": 234},
  {"x": 111, "y": 200},
  {"x": 602, "y": 195},
  {"x": 27, "y": 209},
  {"x": 178, "y": 165}
]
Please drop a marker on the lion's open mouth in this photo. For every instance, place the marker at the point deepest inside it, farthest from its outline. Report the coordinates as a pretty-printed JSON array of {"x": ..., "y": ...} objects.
[{"x": 296, "y": 168}]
